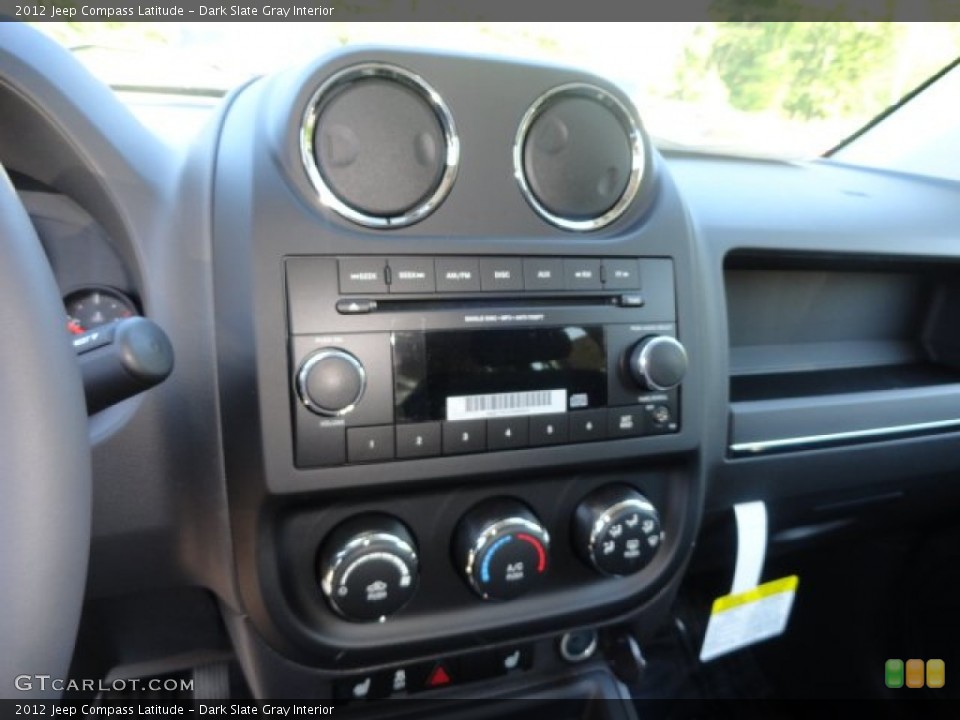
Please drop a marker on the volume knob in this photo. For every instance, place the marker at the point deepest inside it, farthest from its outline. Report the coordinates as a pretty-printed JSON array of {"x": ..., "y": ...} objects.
[
  {"x": 658, "y": 362},
  {"x": 331, "y": 382}
]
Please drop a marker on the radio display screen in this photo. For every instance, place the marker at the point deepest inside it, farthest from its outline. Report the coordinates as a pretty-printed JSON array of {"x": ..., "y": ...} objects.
[{"x": 472, "y": 374}]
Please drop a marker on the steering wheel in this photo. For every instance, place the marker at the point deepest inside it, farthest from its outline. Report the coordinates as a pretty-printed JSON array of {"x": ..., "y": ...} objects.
[{"x": 45, "y": 476}]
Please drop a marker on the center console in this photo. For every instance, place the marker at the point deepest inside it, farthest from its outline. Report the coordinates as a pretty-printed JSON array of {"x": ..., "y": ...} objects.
[{"x": 459, "y": 374}]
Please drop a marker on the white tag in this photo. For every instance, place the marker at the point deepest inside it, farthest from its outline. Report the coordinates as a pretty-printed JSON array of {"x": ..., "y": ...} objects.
[
  {"x": 751, "y": 545},
  {"x": 514, "y": 404},
  {"x": 748, "y": 617}
]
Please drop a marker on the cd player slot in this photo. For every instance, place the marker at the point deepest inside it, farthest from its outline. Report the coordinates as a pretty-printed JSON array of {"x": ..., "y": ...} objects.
[{"x": 487, "y": 302}]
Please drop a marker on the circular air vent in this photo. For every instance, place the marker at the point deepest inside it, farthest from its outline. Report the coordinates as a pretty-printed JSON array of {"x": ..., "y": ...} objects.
[
  {"x": 579, "y": 157},
  {"x": 379, "y": 145}
]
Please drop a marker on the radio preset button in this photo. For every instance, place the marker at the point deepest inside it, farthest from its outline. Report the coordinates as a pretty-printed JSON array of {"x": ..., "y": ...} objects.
[
  {"x": 625, "y": 422},
  {"x": 587, "y": 425},
  {"x": 363, "y": 275},
  {"x": 542, "y": 274},
  {"x": 501, "y": 274},
  {"x": 411, "y": 275},
  {"x": 548, "y": 429},
  {"x": 370, "y": 444},
  {"x": 621, "y": 274},
  {"x": 507, "y": 433},
  {"x": 464, "y": 436},
  {"x": 581, "y": 274},
  {"x": 457, "y": 274},
  {"x": 420, "y": 440}
]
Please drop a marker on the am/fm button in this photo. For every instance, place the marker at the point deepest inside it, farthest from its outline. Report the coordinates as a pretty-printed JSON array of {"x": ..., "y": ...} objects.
[{"x": 455, "y": 274}]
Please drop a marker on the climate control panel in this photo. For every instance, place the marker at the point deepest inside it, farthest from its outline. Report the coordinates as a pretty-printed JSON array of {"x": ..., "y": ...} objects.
[{"x": 369, "y": 568}]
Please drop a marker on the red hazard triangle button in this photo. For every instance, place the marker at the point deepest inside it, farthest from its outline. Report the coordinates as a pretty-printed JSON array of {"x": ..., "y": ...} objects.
[{"x": 439, "y": 677}]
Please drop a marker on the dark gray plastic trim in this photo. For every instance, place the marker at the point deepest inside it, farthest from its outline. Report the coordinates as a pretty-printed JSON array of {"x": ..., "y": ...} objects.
[
  {"x": 764, "y": 426},
  {"x": 46, "y": 480}
]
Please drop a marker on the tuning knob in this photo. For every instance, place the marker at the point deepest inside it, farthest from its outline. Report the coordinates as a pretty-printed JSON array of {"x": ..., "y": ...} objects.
[
  {"x": 368, "y": 567},
  {"x": 501, "y": 549},
  {"x": 616, "y": 530},
  {"x": 331, "y": 382},
  {"x": 658, "y": 362}
]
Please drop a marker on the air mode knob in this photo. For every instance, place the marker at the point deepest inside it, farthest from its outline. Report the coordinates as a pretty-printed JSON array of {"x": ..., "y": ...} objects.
[
  {"x": 331, "y": 382},
  {"x": 368, "y": 567},
  {"x": 501, "y": 549},
  {"x": 658, "y": 362},
  {"x": 616, "y": 530}
]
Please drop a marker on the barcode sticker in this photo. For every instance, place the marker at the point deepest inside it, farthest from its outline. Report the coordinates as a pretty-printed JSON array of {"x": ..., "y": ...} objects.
[{"x": 530, "y": 402}]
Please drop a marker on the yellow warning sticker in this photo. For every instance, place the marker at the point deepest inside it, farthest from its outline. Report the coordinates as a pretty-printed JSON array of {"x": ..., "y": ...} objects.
[
  {"x": 748, "y": 617},
  {"x": 727, "y": 602}
]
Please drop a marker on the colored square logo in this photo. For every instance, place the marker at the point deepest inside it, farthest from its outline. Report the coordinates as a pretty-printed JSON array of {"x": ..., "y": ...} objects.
[
  {"x": 893, "y": 673},
  {"x": 936, "y": 673}
]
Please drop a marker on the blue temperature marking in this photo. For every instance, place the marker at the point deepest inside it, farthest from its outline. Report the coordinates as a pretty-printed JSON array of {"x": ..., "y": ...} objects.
[{"x": 485, "y": 565}]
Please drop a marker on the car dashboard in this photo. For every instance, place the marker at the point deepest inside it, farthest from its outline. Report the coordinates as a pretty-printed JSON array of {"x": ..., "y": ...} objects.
[{"x": 467, "y": 370}]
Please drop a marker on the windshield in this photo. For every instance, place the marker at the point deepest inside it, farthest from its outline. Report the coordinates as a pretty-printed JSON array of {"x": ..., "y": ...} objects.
[{"x": 770, "y": 89}]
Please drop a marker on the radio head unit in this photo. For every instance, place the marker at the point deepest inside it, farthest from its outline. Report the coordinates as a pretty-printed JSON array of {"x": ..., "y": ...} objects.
[{"x": 380, "y": 374}]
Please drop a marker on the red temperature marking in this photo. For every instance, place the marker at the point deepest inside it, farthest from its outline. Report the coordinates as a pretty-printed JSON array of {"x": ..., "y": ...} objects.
[{"x": 541, "y": 553}]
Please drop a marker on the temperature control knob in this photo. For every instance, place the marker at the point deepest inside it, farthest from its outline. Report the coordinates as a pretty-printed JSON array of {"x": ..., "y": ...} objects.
[
  {"x": 658, "y": 362},
  {"x": 616, "y": 530},
  {"x": 501, "y": 549},
  {"x": 331, "y": 382},
  {"x": 368, "y": 567}
]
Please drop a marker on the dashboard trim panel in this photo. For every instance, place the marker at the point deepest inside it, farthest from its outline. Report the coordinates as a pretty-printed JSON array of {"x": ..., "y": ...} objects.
[{"x": 810, "y": 442}]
